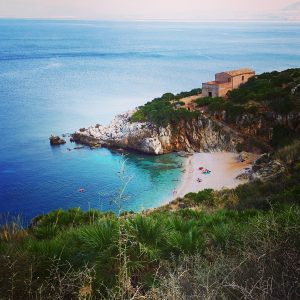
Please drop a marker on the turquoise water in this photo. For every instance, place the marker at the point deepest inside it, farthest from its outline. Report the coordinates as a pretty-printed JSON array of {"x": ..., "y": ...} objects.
[{"x": 58, "y": 76}]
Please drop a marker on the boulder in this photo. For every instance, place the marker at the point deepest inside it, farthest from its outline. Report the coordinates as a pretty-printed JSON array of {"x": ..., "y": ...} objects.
[
  {"x": 261, "y": 161},
  {"x": 243, "y": 156},
  {"x": 244, "y": 176},
  {"x": 264, "y": 168},
  {"x": 56, "y": 140}
]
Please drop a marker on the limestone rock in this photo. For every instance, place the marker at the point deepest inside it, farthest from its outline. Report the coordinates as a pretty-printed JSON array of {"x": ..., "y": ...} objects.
[
  {"x": 56, "y": 140},
  {"x": 264, "y": 168},
  {"x": 244, "y": 176},
  {"x": 200, "y": 134},
  {"x": 243, "y": 156}
]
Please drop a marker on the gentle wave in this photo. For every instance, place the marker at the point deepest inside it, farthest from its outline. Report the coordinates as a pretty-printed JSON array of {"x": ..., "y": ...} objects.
[{"x": 122, "y": 55}]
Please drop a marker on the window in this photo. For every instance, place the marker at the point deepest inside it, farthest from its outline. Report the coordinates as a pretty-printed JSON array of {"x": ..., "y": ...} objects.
[
  {"x": 243, "y": 78},
  {"x": 209, "y": 94}
]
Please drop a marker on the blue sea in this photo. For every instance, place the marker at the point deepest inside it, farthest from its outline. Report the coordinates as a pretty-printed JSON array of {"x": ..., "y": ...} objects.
[{"x": 58, "y": 76}]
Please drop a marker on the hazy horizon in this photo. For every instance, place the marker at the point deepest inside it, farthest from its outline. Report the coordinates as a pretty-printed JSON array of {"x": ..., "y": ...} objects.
[{"x": 154, "y": 10}]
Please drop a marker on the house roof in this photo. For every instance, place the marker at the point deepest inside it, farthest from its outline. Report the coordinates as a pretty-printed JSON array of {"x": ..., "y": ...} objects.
[{"x": 239, "y": 72}]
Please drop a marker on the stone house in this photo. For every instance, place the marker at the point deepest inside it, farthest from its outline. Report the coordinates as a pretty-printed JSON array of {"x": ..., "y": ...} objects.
[{"x": 226, "y": 81}]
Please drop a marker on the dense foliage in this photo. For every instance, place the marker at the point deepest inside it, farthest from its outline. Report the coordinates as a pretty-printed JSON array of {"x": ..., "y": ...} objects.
[
  {"x": 165, "y": 110},
  {"x": 276, "y": 91},
  {"x": 274, "y": 87},
  {"x": 60, "y": 261}
]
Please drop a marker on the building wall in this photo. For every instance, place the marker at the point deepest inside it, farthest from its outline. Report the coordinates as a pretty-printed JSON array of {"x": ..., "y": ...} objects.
[
  {"x": 224, "y": 88},
  {"x": 209, "y": 88},
  {"x": 224, "y": 83},
  {"x": 223, "y": 77},
  {"x": 240, "y": 79}
]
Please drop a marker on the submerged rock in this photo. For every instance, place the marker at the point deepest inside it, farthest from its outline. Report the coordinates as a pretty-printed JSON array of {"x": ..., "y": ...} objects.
[
  {"x": 56, "y": 140},
  {"x": 199, "y": 134}
]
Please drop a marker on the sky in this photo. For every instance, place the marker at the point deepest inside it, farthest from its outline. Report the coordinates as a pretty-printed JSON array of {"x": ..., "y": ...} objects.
[{"x": 194, "y": 10}]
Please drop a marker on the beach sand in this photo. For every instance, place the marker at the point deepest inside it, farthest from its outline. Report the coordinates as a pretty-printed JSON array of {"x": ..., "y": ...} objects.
[{"x": 224, "y": 167}]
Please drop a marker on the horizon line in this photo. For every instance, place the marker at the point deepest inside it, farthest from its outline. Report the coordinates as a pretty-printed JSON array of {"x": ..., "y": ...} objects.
[{"x": 150, "y": 20}]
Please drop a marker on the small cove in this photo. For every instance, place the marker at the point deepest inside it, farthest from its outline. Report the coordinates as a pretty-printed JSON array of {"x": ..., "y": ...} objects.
[{"x": 58, "y": 76}]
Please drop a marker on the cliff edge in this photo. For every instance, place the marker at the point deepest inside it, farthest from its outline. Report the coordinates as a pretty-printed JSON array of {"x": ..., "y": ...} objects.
[{"x": 198, "y": 134}]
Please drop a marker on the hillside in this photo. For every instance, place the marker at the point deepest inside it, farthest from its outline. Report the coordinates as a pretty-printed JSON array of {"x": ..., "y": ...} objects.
[{"x": 265, "y": 109}]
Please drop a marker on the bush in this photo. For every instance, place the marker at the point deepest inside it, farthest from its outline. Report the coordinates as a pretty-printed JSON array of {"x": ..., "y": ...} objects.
[
  {"x": 283, "y": 136},
  {"x": 216, "y": 106},
  {"x": 290, "y": 155},
  {"x": 233, "y": 111},
  {"x": 205, "y": 196},
  {"x": 163, "y": 111},
  {"x": 203, "y": 101},
  {"x": 264, "y": 266}
]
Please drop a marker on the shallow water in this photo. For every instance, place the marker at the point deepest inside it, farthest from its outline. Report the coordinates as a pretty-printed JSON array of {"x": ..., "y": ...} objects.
[{"x": 58, "y": 76}]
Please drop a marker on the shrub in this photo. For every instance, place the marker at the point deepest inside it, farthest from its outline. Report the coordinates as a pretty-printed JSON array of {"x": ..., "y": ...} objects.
[
  {"x": 162, "y": 112},
  {"x": 203, "y": 101},
  {"x": 290, "y": 154},
  {"x": 204, "y": 196},
  {"x": 283, "y": 136}
]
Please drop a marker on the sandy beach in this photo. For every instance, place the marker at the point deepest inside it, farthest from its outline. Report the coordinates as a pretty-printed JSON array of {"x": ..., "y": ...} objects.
[{"x": 224, "y": 167}]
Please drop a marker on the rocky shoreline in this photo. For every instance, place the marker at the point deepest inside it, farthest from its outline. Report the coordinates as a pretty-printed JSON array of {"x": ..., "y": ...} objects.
[
  {"x": 263, "y": 168},
  {"x": 198, "y": 135}
]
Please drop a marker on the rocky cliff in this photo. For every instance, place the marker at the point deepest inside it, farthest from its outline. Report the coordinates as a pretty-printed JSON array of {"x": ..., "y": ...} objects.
[{"x": 199, "y": 134}]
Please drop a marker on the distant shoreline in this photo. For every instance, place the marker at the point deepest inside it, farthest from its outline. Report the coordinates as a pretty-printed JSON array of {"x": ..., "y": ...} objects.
[{"x": 112, "y": 20}]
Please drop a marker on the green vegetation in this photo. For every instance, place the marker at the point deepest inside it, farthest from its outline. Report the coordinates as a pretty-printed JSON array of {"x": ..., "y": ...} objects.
[
  {"x": 268, "y": 87},
  {"x": 274, "y": 91},
  {"x": 164, "y": 110},
  {"x": 206, "y": 196},
  {"x": 283, "y": 135},
  {"x": 61, "y": 265},
  {"x": 267, "y": 102},
  {"x": 239, "y": 244}
]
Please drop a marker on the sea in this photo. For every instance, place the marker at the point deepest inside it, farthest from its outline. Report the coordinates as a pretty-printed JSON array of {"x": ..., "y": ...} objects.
[{"x": 58, "y": 76}]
